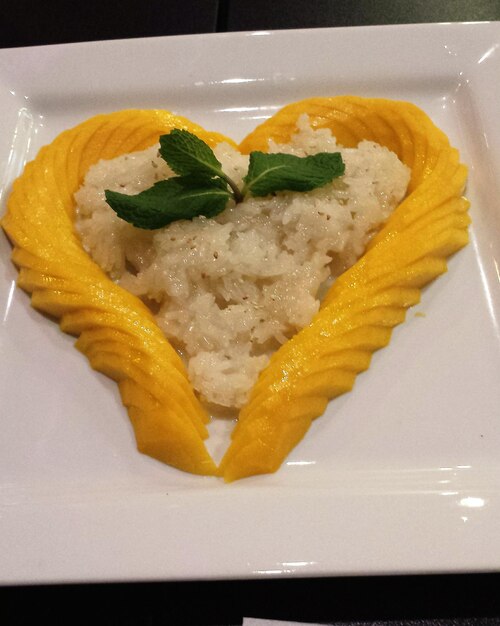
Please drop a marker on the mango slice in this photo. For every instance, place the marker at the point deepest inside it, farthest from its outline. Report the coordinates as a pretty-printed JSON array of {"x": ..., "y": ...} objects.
[
  {"x": 116, "y": 331},
  {"x": 368, "y": 300},
  {"x": 120, "y": 337}
]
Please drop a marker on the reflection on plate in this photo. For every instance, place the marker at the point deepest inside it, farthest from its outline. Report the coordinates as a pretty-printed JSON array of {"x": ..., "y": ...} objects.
[{"x": 399, "y": 476}]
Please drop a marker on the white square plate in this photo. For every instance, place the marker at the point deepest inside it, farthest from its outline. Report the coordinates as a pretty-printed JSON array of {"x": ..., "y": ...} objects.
[{"x": 401, "y": 475}]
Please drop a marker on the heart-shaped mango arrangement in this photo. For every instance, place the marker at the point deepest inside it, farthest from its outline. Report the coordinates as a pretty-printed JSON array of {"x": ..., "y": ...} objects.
[{"x": 120, "y": 337}]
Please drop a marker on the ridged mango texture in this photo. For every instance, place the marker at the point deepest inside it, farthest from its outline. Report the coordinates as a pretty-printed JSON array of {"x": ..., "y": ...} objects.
[{"x": 119, "y": 334}]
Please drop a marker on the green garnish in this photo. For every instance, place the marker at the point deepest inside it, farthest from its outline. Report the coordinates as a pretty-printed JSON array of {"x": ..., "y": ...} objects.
[
  {"x": 268, "y": 173},
  {"x": 187, "y": 154},
  {"x": 178, "y": 198},
  {"x": 202, "y": 188}
]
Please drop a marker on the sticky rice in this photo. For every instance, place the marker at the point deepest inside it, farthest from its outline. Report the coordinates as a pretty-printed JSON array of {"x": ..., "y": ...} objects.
[{"x": 228, "y": 291}]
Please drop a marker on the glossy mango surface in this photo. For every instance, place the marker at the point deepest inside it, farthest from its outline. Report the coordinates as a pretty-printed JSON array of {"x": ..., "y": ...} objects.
[{"x": 115, "y": 330}]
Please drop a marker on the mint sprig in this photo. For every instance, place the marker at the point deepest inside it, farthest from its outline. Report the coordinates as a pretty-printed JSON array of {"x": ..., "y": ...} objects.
[{"x": 201, "y": 187}]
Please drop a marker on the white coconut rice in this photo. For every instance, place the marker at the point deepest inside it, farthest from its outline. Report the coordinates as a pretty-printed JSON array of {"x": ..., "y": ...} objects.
[{"x": 228, "y": 291}]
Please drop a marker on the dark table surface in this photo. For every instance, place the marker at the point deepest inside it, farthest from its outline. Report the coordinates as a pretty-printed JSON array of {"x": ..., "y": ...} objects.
[
  {"x": 460, "y": 599},
  {"x": 27, "y": 23}
]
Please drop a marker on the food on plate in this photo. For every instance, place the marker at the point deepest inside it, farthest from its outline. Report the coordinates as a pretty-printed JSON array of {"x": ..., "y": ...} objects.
[
  {"x": 245, "y": 255},
  {"x": 230, "y": 289}
]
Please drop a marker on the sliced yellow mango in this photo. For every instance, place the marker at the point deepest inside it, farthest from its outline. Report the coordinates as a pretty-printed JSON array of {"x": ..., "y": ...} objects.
[
  {"x": 406, "y": 254},
  {"x": 117, "y": 332}
]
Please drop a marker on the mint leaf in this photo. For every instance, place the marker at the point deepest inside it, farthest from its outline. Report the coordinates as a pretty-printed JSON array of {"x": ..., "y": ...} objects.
[
  {"x": 268, "y": 173},
  {"x": 187, "y": 154},
  {"x": 170, "y": 200}
]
